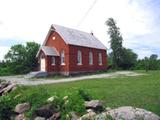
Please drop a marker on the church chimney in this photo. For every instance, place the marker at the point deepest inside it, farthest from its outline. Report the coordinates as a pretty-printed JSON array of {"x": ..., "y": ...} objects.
[{"x": 91, "y": 33}]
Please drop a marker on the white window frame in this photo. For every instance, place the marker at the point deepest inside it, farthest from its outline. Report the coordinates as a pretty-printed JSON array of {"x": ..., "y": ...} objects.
[
  {"x": 90, "y": 58},
  {"x": 62, "y": 58},
  {"x": 53, "y": 60},
  {"x": 79, "y": 57},
  {"x": 100, "y": 58}
]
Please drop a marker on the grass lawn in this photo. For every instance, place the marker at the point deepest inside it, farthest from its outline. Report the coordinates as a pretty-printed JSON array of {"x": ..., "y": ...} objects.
[{"x": 137, "y": 91}]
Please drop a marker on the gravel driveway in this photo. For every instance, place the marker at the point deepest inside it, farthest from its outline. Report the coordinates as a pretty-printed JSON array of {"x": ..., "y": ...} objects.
[{"x": 24, "y": 81}]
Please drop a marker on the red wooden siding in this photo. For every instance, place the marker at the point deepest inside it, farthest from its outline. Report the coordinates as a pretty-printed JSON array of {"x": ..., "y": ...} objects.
[
  {"x": 60, "y": 45},
  {"x": 73, "y": 50}
]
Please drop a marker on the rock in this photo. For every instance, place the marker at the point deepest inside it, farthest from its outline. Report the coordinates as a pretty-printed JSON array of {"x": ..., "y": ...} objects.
[
  {"x": 108, "y": 108},
  {"x": 20, "y": 117},
  {"x": 101, "y": 116},
  {"x": 131, "y": 113},
  {"x": 89, "y": 110},
  {"x": 39, "y": 118},
  {"x": 6, "y": 87},
  {"x": 9, "y": 88},
  {"x": 21, "y": 108},
  {"x": 88, "y": 116},
  {"x": 55, "y": 116},
  {"x": 45, "y": 111},
  {"x": 74, "y": 116},
  {"x": 96, "y": 105}
]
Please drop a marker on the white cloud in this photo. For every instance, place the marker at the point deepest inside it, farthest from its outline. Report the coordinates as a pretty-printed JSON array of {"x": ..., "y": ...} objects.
[
  {"x": 144, "y": 52},
  {"x": 3, "y": 50}
]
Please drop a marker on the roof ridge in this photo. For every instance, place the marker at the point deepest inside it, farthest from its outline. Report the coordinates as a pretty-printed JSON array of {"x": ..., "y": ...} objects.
[{"x": 71, "y": 28}]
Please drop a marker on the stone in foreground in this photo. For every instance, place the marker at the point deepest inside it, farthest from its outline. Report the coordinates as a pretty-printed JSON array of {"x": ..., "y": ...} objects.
[
  {"x": 94, "y": 104},
  {"x": 39, "y": 118},
  {"x": 21, "y": 108},
  {"x": 45, "y": 111},
  {"x": 131, "y": 113},
  {"x": 20, "y": 117}
]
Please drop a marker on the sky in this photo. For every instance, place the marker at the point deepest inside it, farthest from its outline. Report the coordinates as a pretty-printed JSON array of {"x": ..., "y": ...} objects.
[{"x": 30, "y": 20}]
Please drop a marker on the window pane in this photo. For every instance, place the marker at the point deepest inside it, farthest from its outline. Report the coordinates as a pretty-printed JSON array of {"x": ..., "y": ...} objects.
[
  {"x": 62, "y": 57},
  {"x": 79, "y": 57},
  {"x": 100, "y": 59},
  {"x": 90, "y": 58}
]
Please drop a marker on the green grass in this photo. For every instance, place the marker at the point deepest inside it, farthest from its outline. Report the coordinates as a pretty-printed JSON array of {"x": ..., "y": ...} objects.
[{"x": 138, "y": 91}]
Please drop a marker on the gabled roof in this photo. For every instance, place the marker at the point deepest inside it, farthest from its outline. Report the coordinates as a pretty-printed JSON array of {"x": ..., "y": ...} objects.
[
  {"x": 76, "y": 37},
  {"x": 50, "y": 51}
]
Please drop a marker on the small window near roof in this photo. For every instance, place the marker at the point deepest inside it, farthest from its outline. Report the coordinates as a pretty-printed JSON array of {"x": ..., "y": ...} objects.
[
  {"x": 90, "y": 58},
  {"x": 79, "y": 58},
  {"x": 100, "y": 58},
  {"x": 53, "y": 37},
  {"x": 53, "y": 61}
]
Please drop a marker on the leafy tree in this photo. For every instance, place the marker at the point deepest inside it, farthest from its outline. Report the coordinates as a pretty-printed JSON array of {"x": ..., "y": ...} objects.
[
  {"x": 31, "y": 48},
  {"x": 22, "y": 58},
  {"x": 153, "y": 62},
  {"x": 128, "y": 59},
  {"x": 154, "y": 57},
  {"x": 115, "y": 42},
  {"x": 16, "y": 53}
]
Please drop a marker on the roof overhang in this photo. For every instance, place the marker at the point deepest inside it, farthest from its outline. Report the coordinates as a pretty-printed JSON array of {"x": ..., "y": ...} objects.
[{"x": 48, "y": 51}]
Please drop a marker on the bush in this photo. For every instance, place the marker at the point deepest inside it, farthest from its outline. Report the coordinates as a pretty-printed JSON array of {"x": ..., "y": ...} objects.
[
  {"x": 6, "y": 106},
  {"x": 67, "y": 104},
  {"x": 84, "y": 94}
]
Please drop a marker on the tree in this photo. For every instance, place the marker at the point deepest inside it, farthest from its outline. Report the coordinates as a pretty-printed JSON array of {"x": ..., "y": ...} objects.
[
  {"x": 22, "y": 58},
  {"x": 16, "y": 53},
  {"x": 115, "y": 42},
  {"x": 154, "y": 57},
  {"x": 153, "y": 62},
  {"x": 128, "y": 59}
]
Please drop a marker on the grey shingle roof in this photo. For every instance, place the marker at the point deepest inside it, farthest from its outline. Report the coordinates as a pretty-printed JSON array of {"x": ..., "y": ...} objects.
[
  {"x": 50, "y": 51},
  {"x": 76, "y": 37}
]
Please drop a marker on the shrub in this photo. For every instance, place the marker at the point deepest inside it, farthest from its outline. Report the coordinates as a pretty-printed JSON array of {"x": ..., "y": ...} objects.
[
  {"x": 6, "y": 107},
  {"x": 84, "y": 94},
  {"x": 67, "y": 104}
]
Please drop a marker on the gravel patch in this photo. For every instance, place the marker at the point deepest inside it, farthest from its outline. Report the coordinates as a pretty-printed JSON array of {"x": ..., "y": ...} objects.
[{"x": 20, "y": 80}]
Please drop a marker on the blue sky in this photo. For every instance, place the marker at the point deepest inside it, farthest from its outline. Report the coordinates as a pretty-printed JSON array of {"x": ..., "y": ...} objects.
[{"x": 25, "y": 20}]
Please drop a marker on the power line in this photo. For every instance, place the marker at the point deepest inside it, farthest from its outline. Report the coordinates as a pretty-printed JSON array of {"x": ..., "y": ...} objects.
[{"x": 85, "y": 15}]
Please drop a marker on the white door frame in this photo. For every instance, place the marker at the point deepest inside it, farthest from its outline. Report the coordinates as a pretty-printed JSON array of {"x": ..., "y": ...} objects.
[{"x": 43, "y": 64}]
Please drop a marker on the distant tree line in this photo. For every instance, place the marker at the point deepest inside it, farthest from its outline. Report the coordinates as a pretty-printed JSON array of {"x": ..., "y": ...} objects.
[
  {"x": 20, "y": 59},
  {"x": 124, "y": 58},
  {"x": 148, "y": 63}
]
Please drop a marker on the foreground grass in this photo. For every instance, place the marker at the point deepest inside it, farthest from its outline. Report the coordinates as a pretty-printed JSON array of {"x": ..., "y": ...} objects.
[{"x": 138, "y": 91}]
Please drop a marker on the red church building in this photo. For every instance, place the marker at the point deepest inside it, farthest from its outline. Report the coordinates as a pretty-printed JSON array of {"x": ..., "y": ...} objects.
[{"x": 68, "y": 51}]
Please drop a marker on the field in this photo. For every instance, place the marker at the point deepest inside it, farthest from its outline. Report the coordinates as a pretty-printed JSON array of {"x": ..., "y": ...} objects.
[{"x": 138, "y": 91}]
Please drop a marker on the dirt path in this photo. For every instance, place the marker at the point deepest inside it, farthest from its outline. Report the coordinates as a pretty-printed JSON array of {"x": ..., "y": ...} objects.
[{"x": 23, "y": 81}]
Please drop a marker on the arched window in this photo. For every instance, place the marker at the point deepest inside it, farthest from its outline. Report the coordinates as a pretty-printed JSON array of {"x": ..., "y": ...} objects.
[
  {"x": 62, "y": 58},
  {"x": 90, "y": 58},
  {"x": 53, "y": 61},
  {"x": 79, "y": 58},
  {"x": 100, "y": 58}
]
